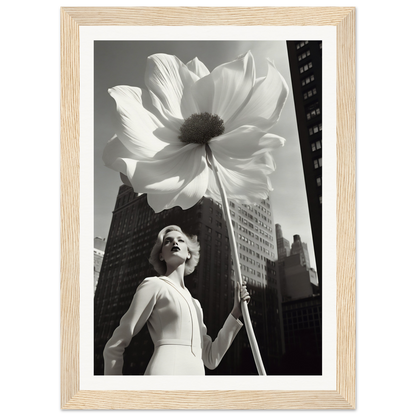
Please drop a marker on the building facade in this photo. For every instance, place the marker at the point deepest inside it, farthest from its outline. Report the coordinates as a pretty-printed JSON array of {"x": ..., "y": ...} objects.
[
  {"x": 256, "y": 240},
  {"x": 305, "y": 61},
  {"x": 301, "y": 311},
  {"x": 283, "y": 245},
  {"x": 133, "y": 231},
  {"x": 296, "y": 278},
  {"x": 302, "y": 325},
  {"x": 99, "y": 248},
  {"x": 301, "y": 248}
]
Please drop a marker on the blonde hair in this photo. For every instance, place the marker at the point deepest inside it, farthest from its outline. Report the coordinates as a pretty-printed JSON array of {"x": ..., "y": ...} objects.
[{"x": 191, "y": 242}]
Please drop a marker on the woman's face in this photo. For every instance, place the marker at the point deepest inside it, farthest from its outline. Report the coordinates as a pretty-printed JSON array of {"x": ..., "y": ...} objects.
[{"x": 174, "y": 247}]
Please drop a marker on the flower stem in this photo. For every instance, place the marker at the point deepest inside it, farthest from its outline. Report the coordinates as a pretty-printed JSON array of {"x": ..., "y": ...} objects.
[{"x": 244, "y": 308}]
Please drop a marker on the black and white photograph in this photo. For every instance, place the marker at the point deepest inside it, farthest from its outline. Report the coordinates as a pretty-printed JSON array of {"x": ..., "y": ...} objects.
[
  {"x": 208, "y": 207},
  {"x": 208, "y": 242}
]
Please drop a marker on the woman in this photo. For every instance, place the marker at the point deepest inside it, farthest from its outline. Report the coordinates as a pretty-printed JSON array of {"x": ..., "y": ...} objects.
[{"x": 173, "y": 316}]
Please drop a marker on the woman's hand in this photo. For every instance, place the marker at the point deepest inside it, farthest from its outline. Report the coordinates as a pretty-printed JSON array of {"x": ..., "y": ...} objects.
[{"x": 240, "y": 294}]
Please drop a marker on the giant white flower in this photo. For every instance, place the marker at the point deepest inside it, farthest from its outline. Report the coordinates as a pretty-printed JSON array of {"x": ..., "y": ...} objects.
[{"x": 161, "y": 134}]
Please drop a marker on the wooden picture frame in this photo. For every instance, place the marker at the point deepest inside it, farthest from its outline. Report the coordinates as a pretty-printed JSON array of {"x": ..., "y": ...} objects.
[{"x": 343, "y": 397}]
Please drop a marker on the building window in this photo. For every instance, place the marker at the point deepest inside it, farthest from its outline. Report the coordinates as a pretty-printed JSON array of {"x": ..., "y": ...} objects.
[
  {"x": 319, "y": 181},
  {"x": 317, "y": 163},
  {"x": 309, "y": 94},
  {"x": 301, "y": 44},
  {"x": 313, "y": 114},
  {"x": 308, "y": 80},
  {"x": 305, "y": 68},
  {"x": 304, "y": 55},
  {"x": 316, "y": 145},
  {"x": 315, "y": 129}
]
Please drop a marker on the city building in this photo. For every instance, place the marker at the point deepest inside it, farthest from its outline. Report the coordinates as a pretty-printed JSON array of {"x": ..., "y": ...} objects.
[
  {"x": 300, "y": 311},
  {"x": 296, "y": 278},
  {"x": 302, "y": 324},
  {"x": 283, "y": 245},
  {"x": 305, "y": 61},
  {"x": 99, "y": 248},
  {"x": 256, "y": 240},
  {"x": 133, "y": 231},
  {"x": 298, "y": 247}
]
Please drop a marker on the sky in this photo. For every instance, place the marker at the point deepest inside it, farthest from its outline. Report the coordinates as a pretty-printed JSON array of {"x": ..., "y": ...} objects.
[{"x": 124, "y": 62}]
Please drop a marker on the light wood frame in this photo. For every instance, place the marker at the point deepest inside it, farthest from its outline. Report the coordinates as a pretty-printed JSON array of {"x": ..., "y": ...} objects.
[{"x": 72, "y": 397}]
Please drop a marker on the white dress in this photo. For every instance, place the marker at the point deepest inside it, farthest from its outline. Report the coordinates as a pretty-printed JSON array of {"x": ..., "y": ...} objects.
[{"x": 175, "y": 322}]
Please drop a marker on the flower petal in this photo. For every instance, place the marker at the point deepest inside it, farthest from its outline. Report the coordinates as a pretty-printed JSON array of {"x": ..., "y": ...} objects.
[
  {"x": 264, "y": 162},
  {"x": 203, "y": 94},
  {"x": 244, "y": 142},
  {"x": 168, "y": 80},
  {"x": 186, "y": 198},
  {"x": 227, "y": 87},
  {"x": 198, "y": 68},
  {"x": 175, "y": 176},
  {"x": 242, "y": 185},
  {"x": 265, "y": 103},
  {"x": 114, "y": 150},
  {"x": 116, "y": 156},
  {"x": 135, "y": 125}
]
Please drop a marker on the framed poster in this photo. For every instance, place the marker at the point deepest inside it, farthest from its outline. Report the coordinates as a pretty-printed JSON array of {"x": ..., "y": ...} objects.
[{"x": 314, "y": 51}]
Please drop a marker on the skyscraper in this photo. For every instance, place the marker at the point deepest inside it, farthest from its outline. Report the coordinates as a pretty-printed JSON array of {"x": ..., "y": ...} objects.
[
  {"x": 283, "y": 245},
  {"x": 302, "y": 322},
  {"x": 301, "y": 312},
  {"x": 305, "y": 61},
  {"x": 254, "y": 230},
  {"x": 301, "y": 248},
  {"x": 99, "y": 247},
  {"x": 133, "y": 231},
  {"x": 255, "y": 234}
]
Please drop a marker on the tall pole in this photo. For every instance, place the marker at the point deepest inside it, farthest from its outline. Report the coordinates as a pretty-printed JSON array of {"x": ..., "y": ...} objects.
[{"x": 244, "y": 308}]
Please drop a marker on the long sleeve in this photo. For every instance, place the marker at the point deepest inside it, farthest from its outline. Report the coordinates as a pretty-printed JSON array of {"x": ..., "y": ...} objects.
[
  {"x": 214, "y": 351},
  {"x": 131, "y": 323}
]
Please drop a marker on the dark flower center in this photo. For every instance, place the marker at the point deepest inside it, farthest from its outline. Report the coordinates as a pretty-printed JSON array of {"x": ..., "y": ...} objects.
[{"x": 201, "y": 128}]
